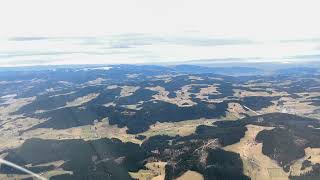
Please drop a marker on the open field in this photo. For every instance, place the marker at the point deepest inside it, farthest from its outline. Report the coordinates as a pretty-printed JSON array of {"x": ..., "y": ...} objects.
[
  {"x": 235, "y": 111},
  {"x": 98, "y": 130},
  {"x": 128, "y": 90},
  {"x": 104, "y": 130},
  {"x": 183, "y": 128},
  {"x": 153, "y": 171},
  {"x": 12, "y": 106},
  {"x": 182, "y": 96},
  {"x": 191, "y": 175},
  {"x": 244, "y": 93},
  {"x": 256, "y": 165},
  {"x": 312, "y": 155},
  {"x": 81, "y": 100},
  {"x": 210, "y": 90},
  {"x": 88, "y": 132}
]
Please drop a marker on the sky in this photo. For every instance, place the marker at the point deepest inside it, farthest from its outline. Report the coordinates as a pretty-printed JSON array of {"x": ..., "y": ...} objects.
[{"x": 44, "y": 32}]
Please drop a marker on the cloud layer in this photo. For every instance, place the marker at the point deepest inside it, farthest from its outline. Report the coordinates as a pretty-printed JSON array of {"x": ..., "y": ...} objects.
[
  {"x": 151, "y": 48},
  {"x": 152, "y": 31}
]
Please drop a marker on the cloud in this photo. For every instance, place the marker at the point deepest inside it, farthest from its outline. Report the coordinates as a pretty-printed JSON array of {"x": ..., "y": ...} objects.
[
  {"x": 147, "y": 48},
  {"x": 146, "y": 31},
  {"x": 310, "y": 40},
  {"x": 272, "y": 19},
  {"x": 28, "y": 38},
  {"x": 306, "y": 57}
]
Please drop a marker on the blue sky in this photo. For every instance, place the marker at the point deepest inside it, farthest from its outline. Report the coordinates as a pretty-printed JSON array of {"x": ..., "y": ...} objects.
[{"x": 42, "y": 32}]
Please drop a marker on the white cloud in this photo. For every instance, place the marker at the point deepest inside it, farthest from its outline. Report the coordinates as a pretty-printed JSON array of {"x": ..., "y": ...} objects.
[
  {"x": 146, "y": 49},
  {"x": 267, "y": 19},
  {"x": 168, "y": 30}
]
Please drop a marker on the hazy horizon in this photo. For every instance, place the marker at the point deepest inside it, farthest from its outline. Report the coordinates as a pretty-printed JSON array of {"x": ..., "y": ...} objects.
[{"x": 38, "y": 32}]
